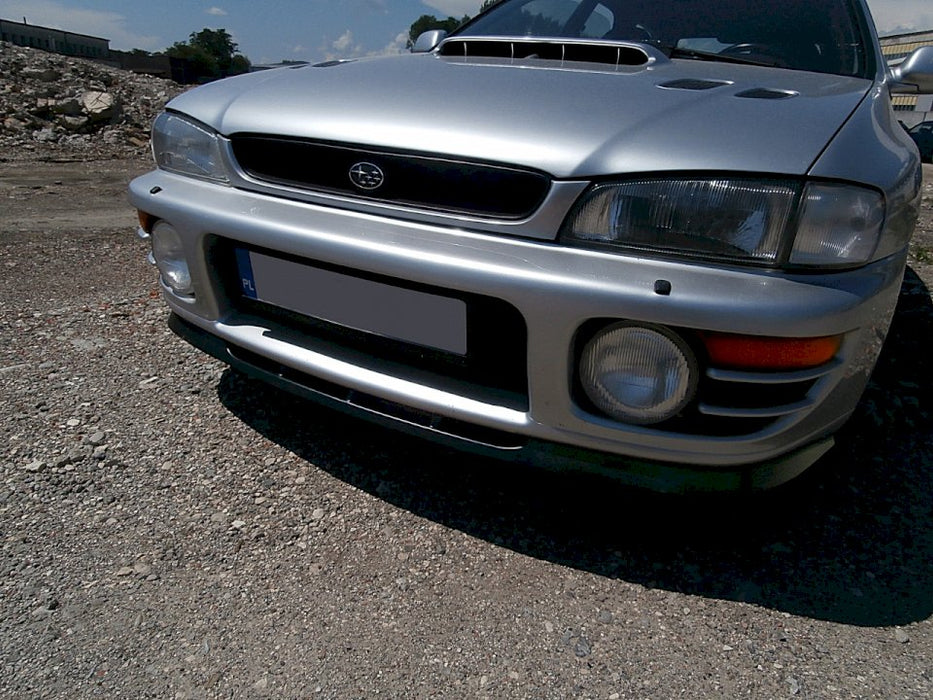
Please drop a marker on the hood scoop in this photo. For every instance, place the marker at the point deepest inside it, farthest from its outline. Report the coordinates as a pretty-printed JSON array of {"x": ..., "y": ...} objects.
[
  {"x": 767, "y": 94},
  {"x": 693, "y": 84},
  {"x": 606, "y": 52}
]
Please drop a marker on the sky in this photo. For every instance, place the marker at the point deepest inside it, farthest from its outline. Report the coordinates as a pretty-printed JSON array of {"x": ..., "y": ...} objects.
[{"x": 269, "y": 31}]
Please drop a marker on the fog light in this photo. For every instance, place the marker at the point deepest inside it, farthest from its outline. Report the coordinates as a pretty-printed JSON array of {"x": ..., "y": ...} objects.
[
  {"x": 170, "y": 258},
  {"x": 638, "y": 374}
]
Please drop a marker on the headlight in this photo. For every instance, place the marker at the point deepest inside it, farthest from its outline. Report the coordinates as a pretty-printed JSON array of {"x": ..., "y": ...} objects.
[
  {"x": 743, "y": 220},
  {"x": 186, "y": 147}
]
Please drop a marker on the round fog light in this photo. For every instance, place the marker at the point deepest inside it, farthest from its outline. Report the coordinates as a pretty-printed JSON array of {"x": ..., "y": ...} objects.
[
  {"x": 638, "y": 374},
  {"x": 170, "y": 258}
]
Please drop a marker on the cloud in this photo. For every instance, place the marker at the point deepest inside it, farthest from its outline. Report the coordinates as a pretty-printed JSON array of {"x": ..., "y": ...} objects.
[
  {"x": 217, "y": 12},
  {"x": 454, "y": 8},
  {"x": 345, "y": 46},
  {"x": 344, "y": 42},
  {"x": 103, "y": 24},
  {"x": 398, "y": 45}
]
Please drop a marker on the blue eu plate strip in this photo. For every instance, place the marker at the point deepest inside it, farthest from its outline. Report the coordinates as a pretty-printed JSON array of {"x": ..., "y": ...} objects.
[{"x": 245, "y": 269}]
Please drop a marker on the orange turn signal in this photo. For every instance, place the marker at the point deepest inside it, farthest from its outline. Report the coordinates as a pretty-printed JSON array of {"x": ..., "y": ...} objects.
[
  {"x": 146, "y": 221},
  {"x": 763, "y": 353}
]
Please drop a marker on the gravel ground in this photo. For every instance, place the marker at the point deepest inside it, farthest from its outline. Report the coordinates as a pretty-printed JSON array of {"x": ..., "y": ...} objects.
[{"x": 170, "y": 528}]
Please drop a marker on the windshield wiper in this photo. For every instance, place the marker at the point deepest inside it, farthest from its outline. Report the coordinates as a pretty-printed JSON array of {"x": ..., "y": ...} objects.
[{"x": 677, "y": 52}]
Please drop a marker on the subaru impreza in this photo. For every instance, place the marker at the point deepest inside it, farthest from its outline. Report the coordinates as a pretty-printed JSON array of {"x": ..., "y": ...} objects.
[{"x": 660, "y": 239}]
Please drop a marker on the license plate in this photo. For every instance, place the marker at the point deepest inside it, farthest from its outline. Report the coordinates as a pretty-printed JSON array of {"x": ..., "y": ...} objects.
[{"x": 364, "y": 305}]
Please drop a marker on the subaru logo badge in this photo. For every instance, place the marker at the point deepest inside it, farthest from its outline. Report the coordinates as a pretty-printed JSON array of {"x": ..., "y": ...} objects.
[{"x": 367, "y": 176}]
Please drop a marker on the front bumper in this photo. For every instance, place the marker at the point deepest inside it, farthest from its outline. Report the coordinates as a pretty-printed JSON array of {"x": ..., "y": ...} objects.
[
  {"x": 557, "y": 291},
  {"x": 662, "y": 477}
]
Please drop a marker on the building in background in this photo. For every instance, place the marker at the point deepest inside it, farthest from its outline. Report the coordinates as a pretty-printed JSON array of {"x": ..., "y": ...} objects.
[
  {"x": 911, "y": 109},
  {"x": 54, "y": 40},
  {"x": 95, "y": 49}
]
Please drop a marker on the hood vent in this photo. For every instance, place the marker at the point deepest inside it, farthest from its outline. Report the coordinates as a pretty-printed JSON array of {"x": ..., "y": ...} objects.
[
  {"x": 331, "y": 64},
  {"x": 606, "y": 53},
  {"x": 767, "y": 94},
  {"x": 693, "y": 84}
]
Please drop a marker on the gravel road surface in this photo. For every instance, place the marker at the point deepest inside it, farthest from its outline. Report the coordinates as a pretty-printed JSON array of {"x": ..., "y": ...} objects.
[{"x": 172, "y": 529}]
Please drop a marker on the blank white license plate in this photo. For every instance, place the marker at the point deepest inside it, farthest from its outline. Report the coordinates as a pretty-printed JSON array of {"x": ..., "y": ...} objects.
[{"x": 364, "y": 305}]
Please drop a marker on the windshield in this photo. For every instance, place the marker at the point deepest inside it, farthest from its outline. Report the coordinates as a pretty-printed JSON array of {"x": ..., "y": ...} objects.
[{"x": 815, "y": 35}]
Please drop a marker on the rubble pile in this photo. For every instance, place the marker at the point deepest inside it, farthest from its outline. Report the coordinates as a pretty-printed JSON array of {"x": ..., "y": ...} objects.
[{"x": 61, "y": 107}]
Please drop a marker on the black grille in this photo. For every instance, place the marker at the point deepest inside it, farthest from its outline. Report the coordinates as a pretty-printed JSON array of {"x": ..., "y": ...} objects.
[{"x": 418, "y": 180}]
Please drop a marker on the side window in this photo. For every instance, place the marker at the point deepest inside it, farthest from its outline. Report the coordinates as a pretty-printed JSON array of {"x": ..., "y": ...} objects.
[{"x": 598, "y": 23}]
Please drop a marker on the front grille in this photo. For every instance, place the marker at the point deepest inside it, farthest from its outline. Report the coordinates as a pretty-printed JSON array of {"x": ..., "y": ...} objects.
[
  {"x": 406, "y": 179},
  {"x": 493, "y": 370}
]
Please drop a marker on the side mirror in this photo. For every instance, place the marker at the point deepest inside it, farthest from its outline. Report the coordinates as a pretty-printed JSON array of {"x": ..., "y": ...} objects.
[
  {"x": 428, "y": 40},
  {"x": 915, "y": 75}
]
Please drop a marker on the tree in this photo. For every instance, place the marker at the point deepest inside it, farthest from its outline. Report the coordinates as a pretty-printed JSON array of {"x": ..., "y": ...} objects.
[
  {"x": 211, "y": 53},
  {"x": 239, "y": 64},
  {"x": 426, "y": 23}
]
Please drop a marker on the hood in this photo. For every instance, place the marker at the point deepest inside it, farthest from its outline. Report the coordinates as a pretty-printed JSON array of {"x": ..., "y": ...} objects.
[{"x": 580, "y": 121}]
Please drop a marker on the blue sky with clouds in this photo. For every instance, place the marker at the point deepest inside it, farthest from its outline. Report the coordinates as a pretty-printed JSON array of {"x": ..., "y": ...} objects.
[{"x": 273, "y": 30}]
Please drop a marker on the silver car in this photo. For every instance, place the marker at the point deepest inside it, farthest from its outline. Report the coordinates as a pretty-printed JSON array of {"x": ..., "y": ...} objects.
[{"x": 661, "y": 239}]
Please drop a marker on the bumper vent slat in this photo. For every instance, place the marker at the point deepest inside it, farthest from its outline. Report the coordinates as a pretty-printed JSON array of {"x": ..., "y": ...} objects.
[
  {"x": 755, "y": 413},
  {"x": 734, "y": 402},
  {"x": 806, "y": 375}
]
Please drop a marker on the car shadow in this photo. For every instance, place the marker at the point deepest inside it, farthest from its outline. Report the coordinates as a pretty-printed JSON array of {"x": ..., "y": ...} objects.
[{"x": 850, "y": 541}]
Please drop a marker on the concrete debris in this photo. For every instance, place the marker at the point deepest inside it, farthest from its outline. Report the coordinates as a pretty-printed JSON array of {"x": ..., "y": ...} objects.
[{"x": 74, "y": 107}]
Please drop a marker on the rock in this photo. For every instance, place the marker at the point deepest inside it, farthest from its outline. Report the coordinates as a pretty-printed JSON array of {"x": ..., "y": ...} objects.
[
  {"x": 98, "y": 106},
  {"x": 69, "y": 106},
  {"x": 36, "y": 466},
  {"x": 901, "y": 636},
  {"x": 46, "y": 135},
  {"x": 73, "y": 123},
  {"x": 42, "y": 75}
]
